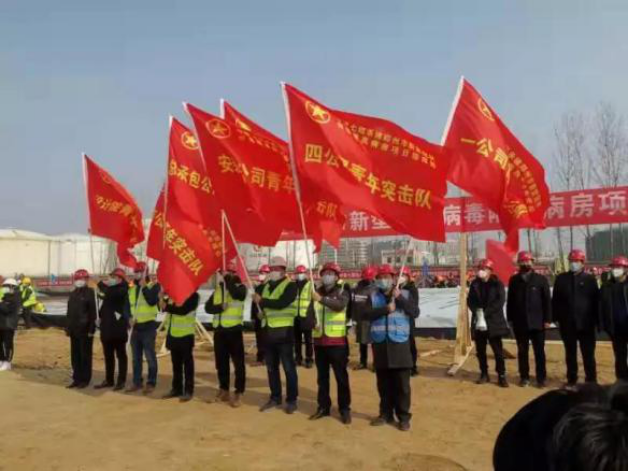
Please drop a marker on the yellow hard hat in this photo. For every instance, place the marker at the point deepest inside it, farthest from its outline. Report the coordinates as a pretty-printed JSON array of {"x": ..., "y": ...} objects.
[{"x": 27, "y": 281}]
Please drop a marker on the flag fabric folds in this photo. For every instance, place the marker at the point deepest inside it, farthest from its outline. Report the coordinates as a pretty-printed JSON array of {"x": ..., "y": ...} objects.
[{"x": 502, "y": 258}]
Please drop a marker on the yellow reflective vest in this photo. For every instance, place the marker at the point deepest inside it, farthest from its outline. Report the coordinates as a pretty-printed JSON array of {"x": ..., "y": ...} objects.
[
  {"x": 278, "y": 318},
  {"x": 180, "y": 326},
  {"x": 304, "y": 299},
  {"x": 332, "y": 324},
  {"x": 233, "y": 313},
  {"x": 140, "y": 309},
  {"x": 29, "y": 299}
]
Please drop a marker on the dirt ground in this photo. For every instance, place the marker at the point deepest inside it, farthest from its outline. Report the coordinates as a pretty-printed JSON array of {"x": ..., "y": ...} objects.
[{"x": 46, "y": 426}]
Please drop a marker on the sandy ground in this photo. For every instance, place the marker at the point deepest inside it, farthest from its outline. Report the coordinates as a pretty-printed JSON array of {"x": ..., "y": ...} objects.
[{"x": 45, "y": 426}]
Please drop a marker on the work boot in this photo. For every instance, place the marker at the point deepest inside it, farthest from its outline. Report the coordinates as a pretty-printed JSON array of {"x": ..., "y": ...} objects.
[
  {"x": 82, "y": 385},
  {"x": 103, "y": 384},
  {"x": 133, "y": 388},
  {"x": 524, "y": 383},
  {"x": 381, "y": 421},
  {"x": 291, "y": 407},
  {"x": 360, "y": 367},
  {"x": 118, "y": 387},
  {"x": 186, "y": 397},
  {"x": 171, "y": 394},
  {"x": 484, "y": 378},
  {"x": 345, "y": 417},
  {"x": 73, "y": 385},
  {"x": 270, "y": 404},
  {"x": 148, "y": 389},
  {"x": 502, "y": 382},
  {"x": 221, "y": 396},
  {"x": 540, "y": 383},
  {"x": 236, "y": 400},
  {"x": 308, "y": 364},
  {"x": 404, "y": 425},
  {"x": 320, "y": 413}
]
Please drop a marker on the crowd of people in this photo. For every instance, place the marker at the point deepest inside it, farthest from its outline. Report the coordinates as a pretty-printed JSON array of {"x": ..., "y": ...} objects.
[{"x": 301, "y": 322}]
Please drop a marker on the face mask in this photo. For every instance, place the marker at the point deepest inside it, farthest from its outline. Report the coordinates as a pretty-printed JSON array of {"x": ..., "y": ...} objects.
[
  {"x": 403, "y": 279},
  {"x": 329, "y": 280},
  {"x": 8, "y": 289},
  {"x": 384, "y": 284},
  {"x": 482, "y": 274},
  {"x": 301, "y": 277},
  {"x": 112, "y": 281},
  {"x": 261, "y": 277},
  {"x": 617, "y": 272},
  {"x": 575, "y": 266},
  {"x": 275, "y": 275},
  {"x": 525, "y": 268},
  {"x": 79, "y": 283}
]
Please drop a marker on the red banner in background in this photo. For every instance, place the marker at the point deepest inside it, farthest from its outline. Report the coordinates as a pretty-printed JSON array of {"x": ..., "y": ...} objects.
[{"x": 575, "y": 208}]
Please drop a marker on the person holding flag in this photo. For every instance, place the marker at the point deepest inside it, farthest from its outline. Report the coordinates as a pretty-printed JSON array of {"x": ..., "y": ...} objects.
[
  {"x": 144, "y": 303},
  {"x": 359, "y": 296},
  {"x": 256, "y": 316},
  {"x": 227, "y": 305},
  {"x": 302, "y": 323},
  {"x": 405, "y": 282}
]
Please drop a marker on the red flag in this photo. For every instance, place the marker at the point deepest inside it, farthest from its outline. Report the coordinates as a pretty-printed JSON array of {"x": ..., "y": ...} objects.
[
  {"x": 489, "y": 162},
  {"x": 353, "y": 161},
  {"x": 155, "y": 244},
  {"x": 113, "y": 212},
  {"x": 503, "y": 259}
]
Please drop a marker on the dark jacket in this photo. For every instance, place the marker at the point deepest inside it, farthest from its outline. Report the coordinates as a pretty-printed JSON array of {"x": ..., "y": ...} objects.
[
  {"x": 335, "y": 299},
  {"x": 491, "y": 297},
  {"x": 359, "y": 296},
  {"x": 575, "y": 302},
  {"x": 529, "y": 302},
  {"x": 81, "y": 312},
  {"x": 9, "y": 310},
  {"x": 279, "y": 335},
  {"x": 607, "y": 317},
  {"x": 115, "y": 311},
  {"x": 236, "y": 289},
  {"x": 389, "y": 355},
  {"x": 189, "y": 305}
]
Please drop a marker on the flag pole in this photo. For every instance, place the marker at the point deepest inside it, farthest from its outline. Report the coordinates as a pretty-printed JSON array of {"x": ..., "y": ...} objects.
[
  {"x": 297, "y": 186},
  {"x": 405, "y": 258},
  {"x": 224, "y": 248},
  {"x": 89, "y": 230}
]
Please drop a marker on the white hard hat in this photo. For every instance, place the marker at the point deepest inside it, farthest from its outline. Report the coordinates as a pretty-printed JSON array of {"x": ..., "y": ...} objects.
[
  {"x": 278, "y": 261},
  {"x": 11, "y": 282}
]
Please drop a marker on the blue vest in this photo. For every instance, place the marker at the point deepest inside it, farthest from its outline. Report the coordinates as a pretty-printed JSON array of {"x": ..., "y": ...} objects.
[{"x": 395, "y": 327}]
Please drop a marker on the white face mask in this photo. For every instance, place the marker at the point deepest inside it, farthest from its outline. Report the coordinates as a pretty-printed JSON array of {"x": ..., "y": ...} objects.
[
  {"x": 275, "y": 275},
  {"x": 403, "y": 279},
  {"x": 261, "y": 277},
  {"x": 112, "y": 281},
  {"x": 575, "y": 266},
  {"x": 329, "y": 280},
  {"x": 301, "y": 277},
  {"x": 384, "y": 284},
  {"x": 80, "y": 283},
  {"x": 8, "y": 288},
  {"x": 618, "y": 272},
  {"x": 482, "y": 274}
]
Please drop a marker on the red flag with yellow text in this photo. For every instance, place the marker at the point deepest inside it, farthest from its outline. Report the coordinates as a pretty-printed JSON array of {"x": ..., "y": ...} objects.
[
  {"x": 490, "y": 163},
  {"x": 359, "y": 162},
  {"x": 113, "y": 212},
  {"x": 155, "y": 243}
]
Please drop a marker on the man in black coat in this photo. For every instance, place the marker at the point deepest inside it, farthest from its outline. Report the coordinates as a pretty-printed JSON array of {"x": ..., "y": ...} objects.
[
  {"x": 614, "y": 313},
  {"x": 115, "y": 314},
  {"x": 81, "y": 328},
  {"x": 529, "y": 312},
  {"x": 575, "y": 303},
  {"x": 359, "y": 296},
  {"x": 10, "y": 305},
  {"x": 486, "y": 301},
  {"x": 406, "y": 283},
  {"x": 264, "y": 270}
]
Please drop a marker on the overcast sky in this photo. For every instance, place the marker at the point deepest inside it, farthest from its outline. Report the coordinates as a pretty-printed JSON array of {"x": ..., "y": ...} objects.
[{"x": 102, "y": 77}]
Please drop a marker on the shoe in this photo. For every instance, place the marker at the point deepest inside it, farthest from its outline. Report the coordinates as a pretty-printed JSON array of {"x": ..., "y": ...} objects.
[
  {"x": 540, "y": 384},
  {"x": 83, "y": 385},
  {"x": 2, "y": 366},
  {"x": 345, "y": 417},
  {"x": 308, "y": 364},
  {"x": 221, "y": 396},
  {"x": 320, "y": 413},
  {"x": 148, "y": 389},
  {"x": 484, "y": 378},
  {"x": 185, "y": 397},
  {"x": 118, "y": 387},
  {"x": 381, "y": 421},
  {"x": 524, "y": 383},
  {"x": 360, "y": 367},
  {"x": 6, "y": 366},
  {"x": 236, "y": 400},
  {"x": 270, "y": 404},
  {"x": 414, "y": 372},
  {"x": 404, "y": 426},
  {"x": 73, "y": 385},
  {"x": 502, "y": 382},
  {"x": 290, "y": 408},
  {"x": 103, "y": 384},
  {"x": 171, "y": 394},
  {"x": 133, "y": 389}
]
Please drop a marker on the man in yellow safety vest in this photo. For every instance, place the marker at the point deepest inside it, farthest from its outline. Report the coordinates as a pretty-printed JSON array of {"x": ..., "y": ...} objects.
[
  {"x": 227, "y": 304},
  {"x": 29, "y": 300},
  {"x": 302, "y": 328}
]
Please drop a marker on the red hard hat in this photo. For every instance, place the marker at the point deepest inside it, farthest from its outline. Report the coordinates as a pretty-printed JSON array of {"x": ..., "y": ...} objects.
[
  {"x": 232, "y": 267},
  {"x": 331, "y": 266},
  {"x": 619, "y": 261},
  {"x": 525, "y": 256},
  {"x": 385, "y": 269},
  {"x": 486, "y": 264},
  {"x": 369, "y": 272},
  {"x": 140, "y": 267},
  {"x": 265, "y": 269},
  {"x": 118, "y": 272},
  {"x": 300, "y": 269},
  {"x": 81, "y": 274},
  {"x": 577, "y": 255},
  {"x": 405, "y": 270}
]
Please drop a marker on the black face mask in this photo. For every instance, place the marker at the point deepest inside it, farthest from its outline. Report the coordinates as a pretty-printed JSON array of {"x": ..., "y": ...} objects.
[{"x": 525, "y": 268}]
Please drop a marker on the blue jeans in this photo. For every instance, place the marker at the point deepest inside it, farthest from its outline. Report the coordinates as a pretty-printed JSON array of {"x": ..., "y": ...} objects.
[
  {"x": 143, "y": 344},
  {"x": 284, "y": 353}
]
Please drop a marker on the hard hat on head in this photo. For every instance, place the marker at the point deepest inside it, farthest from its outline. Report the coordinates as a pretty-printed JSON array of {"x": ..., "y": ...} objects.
[
  {"x": 300, "y": 269},
  {"x": 369, "y": 272},
  {"x": 81, "y": 274},
  {"x": 486, "y": 264},
  {"x": 524, "y": 256},
  {"x": 264, "y": 269},
  {"x": 140, "y": 267},
  {"x": 577, "y": 255},
  {"x": 278, "y": 261},
  {"x": 27, "y": 281},
  {"x": 119, "y": 272},
  {"x": 385, "y": 269},
  {"x": 405, "y": 270},
  {"x": 619, "y": 261},
  {"x": 10, "y": 282},
  {"x": 331, "y": 266}
]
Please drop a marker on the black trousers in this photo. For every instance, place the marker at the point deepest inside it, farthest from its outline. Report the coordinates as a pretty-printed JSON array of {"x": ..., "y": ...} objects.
[
  {"x": 620, "y": 349},
  {"x": 229, "y": 347},
  {"x": 586, "y": 339},
  {"x": 181, "y": 352},
  {"x": 364, "y": 354},
  {"x": 413, "y": 351},
  {"x": 6, "y": 345},
  {"x": 283, "y": 354},
  {"x": 481, "y": 341},
  {"x": 259, "y": 341},
  {"x": 81, "y": 348},
  {"x": 113, "y": 350},
  {"x": 26, "y": 314},
  {"x": 537, "y": 338},
  {"x": 393, "y": 386},
  {"x": 336, "y": 358},
  {"x": 302, "y": 336}
]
